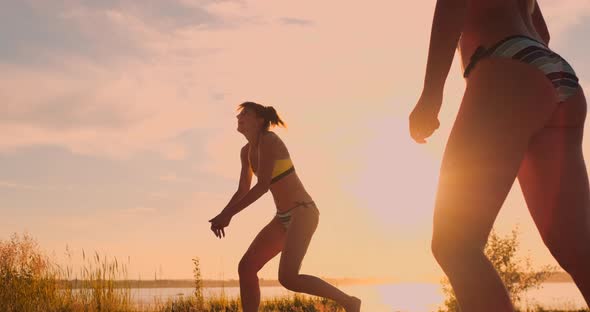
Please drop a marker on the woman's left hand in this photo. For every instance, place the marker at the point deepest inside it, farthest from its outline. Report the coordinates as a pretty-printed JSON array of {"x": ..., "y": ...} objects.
[{"x": 219, "y": 223}]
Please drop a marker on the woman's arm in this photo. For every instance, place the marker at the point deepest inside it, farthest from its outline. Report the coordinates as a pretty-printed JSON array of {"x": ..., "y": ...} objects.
[
  {"x": 447, "y": 25},
  {"x": 265, "y": 167},
  {"x": 245, "y": 177},
  {"x": 540, "y": 25}
]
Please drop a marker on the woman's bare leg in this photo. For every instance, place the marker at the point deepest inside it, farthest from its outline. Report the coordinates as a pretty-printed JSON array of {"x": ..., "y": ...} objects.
[
  {"x": 554, "y": 181},
  {"x": 505, "y": 103},
  {"x": 267, "y": 244},
  {"x": 303, "y": 224}
]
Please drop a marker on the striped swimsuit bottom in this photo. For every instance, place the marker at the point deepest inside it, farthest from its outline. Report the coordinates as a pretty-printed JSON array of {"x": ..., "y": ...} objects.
[
  {"x": 533, "y": 52},
  {"x": 285, "y": 216}
]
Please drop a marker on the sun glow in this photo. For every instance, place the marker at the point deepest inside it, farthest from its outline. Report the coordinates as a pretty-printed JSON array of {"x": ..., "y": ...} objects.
[{"x": 398, "y": 178}]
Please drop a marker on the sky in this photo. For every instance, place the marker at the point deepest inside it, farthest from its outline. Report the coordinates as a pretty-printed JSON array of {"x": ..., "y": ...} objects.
[{"x": 117, "y": 129}]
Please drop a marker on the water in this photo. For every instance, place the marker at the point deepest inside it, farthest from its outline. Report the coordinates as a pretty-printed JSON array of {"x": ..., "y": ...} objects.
[{"x": 406, "y": 297}]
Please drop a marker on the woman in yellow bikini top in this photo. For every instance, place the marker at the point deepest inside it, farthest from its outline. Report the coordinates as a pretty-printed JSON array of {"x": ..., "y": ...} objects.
[
  {"x": 290, "y": 231},
  {"x": 282, "y": 168}
]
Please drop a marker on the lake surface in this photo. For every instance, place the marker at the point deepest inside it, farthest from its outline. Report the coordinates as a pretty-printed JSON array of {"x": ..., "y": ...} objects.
[{"x": 406, "y": 297}]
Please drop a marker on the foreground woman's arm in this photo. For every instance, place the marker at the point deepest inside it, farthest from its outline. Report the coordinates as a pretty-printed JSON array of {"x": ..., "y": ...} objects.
[{"x": 447, "y": 26}]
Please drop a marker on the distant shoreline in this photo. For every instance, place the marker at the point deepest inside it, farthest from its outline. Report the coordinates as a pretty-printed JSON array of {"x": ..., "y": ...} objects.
[
  {"x": 560, "y": 277},
  {"x": 188, "y": 283}
]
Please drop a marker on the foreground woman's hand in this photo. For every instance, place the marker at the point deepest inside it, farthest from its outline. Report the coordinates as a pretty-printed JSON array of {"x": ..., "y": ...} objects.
[
  {"x": 219, "y": 223},
  {"x": 424, "y": 117}
]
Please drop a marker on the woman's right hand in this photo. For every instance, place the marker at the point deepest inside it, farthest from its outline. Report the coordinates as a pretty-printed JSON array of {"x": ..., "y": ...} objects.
[
  {"x": 219, "y": 223},
  {"x": 424, "y": 117}
]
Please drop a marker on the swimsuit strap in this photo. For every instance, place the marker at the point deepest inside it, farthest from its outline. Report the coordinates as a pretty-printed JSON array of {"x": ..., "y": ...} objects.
[
  {"x": 304, "y": 204},
  {"x": 297, "y": 205}
]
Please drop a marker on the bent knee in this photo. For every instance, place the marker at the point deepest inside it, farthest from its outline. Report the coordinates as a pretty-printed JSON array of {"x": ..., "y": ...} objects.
[
  {"x": 289, "y": 280},
  {"x": 246, "y": 266},
  {"x": 443, "y": 250},
  {"x": 453, "y": 251}
]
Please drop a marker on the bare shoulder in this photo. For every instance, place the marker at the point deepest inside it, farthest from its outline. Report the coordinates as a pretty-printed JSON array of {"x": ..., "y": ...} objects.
[
  {"x": 270, "y": 139},
  {"x": 276, "y": 144}
]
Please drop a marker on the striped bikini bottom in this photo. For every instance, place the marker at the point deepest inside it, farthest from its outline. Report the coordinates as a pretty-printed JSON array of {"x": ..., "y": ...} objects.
[
  {"x": 531, "y": 51},
  {"x": 285, "y": 216}
]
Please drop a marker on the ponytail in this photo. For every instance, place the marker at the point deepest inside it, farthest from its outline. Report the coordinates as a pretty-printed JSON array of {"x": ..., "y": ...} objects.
[{"x": 271, "y": 118}]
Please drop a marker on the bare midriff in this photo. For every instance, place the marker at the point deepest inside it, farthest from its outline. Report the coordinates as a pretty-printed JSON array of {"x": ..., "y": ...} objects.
[{"x": 288, "y": 191}]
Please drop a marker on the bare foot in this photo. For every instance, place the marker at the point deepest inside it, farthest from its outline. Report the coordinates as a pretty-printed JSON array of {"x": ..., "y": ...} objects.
[{"x": 353, "y": 305}]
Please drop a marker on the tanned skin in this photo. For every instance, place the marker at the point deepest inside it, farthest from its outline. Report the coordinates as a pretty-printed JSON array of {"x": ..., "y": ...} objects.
[
  {"x": 509, "y": 126},
  {"x": 259, "y": 154}
]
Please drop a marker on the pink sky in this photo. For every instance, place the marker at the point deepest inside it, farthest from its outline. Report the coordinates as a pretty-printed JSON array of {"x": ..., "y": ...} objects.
[{"x": 118, "y": 129}]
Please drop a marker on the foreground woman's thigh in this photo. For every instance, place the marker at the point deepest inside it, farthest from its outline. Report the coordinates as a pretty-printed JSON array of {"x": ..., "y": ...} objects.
[
  {"x": 505, "y": 104},
  {"x": 554, "y": 182},
  {"x": 498, "y": 116}
]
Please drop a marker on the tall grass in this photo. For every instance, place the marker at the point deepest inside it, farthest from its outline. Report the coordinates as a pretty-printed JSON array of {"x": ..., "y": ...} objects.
[
  {"x": 199, "y": 300},
  {"x": 102, "y": 285},
  {"x": 295, "y": 303},
  {"x": 27, "y": 279},
  {"x": 30, "y": 282}
]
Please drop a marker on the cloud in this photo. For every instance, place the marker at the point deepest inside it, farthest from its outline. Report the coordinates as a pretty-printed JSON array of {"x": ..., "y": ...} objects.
[
  {"x": 110, "y": 111},
  {"x": 37, "y": 32},
  {"x": 111, "y": 78},
  {"x": 35, "y": 188},
  {"x": 148, "y": 79},
  {"x": 296, "y": 21},
  {"x": 12, "y": 185},
  {"x": 562, "y": 15},
  {"x": 59, "y": 101}
]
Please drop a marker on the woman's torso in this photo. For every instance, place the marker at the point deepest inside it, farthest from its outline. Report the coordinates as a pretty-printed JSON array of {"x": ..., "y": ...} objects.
[
  {"x": 288, "y": 190},
  {"x": 489, "y": 21}
]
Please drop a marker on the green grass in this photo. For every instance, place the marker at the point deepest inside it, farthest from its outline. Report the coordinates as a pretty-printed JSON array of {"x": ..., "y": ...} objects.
[
  {"x": 30, "y": 282},
  {"x": 296, "y": 303}
]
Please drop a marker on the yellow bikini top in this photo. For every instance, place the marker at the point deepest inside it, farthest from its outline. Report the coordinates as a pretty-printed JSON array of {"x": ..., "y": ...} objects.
[{"x": 282, "y": 168}]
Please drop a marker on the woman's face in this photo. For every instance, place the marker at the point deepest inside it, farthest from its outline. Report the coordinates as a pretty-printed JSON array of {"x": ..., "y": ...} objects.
[{"x": 248, "y": 121}]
